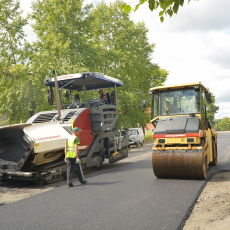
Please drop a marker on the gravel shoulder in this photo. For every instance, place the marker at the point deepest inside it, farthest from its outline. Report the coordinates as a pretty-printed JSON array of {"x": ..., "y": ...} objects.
[{"x": 212, "y": 209}]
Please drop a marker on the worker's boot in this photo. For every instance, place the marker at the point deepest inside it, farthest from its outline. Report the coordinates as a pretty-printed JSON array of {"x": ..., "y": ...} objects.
[{"x": 83, "y": 182}]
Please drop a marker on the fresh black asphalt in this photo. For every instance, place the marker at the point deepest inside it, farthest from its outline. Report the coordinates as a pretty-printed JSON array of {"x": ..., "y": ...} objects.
[{"x": 125, "y": 197}]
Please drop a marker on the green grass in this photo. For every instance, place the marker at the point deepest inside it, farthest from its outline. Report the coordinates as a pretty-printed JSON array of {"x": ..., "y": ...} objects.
[{"x": 148, "y": 135}]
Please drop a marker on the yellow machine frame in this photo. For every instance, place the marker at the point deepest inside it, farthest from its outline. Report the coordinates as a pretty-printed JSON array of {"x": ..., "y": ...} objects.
[{"x": 184, "y": 144}]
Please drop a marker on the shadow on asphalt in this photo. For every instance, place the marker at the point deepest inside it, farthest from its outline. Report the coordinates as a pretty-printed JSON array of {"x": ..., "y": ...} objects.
[{"x": 99, "y": 183}]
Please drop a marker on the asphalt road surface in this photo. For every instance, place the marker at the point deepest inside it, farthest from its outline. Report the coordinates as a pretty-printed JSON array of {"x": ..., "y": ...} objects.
[{"x": 125, "y": 195}]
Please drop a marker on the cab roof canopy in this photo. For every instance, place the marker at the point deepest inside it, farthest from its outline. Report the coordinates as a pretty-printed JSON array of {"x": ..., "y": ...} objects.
[
  {"x": 93, "y": 80},
  {"x": 179, "y": 86}
]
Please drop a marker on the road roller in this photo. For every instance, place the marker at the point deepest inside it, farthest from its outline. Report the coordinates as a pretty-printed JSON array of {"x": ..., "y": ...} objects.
[{"x": 185, "y": 142}]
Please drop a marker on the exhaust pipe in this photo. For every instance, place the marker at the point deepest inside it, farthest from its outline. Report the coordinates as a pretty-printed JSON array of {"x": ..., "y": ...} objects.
[{"x": 57, "y": 96}]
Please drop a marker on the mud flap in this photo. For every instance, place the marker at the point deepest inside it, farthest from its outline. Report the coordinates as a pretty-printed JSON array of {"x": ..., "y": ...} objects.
[
  {"x": 94, "y": 161},
  {"x": 119, "y": 155}
]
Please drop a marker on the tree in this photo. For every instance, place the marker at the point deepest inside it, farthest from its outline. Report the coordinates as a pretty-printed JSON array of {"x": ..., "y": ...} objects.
[
  {"x": 62, "y": 28},
  {"x": 212, "y": 109},
  {"x": 12, "y": 34},
  {"x": 168, "y": 7},
  {"x": 122, "y": 50},
  {"x": 224, "y": 125},
  {"x": 73, "y": 38},
  {"x": 15, "y": 81},
  {"x": 63, "y": 45},
  {"x": 216, "y": 122}
]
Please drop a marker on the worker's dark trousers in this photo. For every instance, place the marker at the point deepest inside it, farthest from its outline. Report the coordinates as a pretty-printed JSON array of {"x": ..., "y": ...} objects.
[{"x": 71, "y": 163}]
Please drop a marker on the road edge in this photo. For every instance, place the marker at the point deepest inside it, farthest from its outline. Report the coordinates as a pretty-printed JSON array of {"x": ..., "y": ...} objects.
[{"x": 190, "y": 209}]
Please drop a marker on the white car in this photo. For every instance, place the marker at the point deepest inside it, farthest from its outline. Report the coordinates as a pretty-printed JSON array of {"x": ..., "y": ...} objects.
[{"x": 136, "y": 136}]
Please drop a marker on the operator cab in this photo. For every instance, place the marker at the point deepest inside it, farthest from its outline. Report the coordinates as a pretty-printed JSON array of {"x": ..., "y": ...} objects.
[
  {"x": 186, "y": 100},
  {"x": 103, "y": 116},
  {"x": 177, "y": 101},
  {"x": 85, "y": 82}
]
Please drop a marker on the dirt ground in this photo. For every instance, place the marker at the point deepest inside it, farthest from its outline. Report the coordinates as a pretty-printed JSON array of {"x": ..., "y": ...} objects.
[
  {"x": 12, "y": 194},
  {"x": 212, "y": 209}
]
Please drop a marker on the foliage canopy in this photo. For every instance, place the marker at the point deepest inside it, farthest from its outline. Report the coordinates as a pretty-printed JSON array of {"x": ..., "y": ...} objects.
[
  {"x": 168, "y": 7},
  {"x": 73, "y": 38},
  {"x": 224, "y": 124},
  {"x": 212, "y": 109}
]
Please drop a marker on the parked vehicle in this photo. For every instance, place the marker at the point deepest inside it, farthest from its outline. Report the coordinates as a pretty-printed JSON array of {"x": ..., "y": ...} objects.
[{"x": 136, "y": 137}]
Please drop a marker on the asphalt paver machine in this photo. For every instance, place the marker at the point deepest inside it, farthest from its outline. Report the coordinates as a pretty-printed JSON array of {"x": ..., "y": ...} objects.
[{"x": 35, "y": 150}]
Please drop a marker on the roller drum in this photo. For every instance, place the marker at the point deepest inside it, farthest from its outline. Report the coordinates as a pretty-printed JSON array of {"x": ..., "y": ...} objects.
[{"x": 179, "y": 164}]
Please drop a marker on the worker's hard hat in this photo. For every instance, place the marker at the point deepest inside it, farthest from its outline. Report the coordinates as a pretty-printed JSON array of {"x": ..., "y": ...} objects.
[
  {"x": 167, "y": 102},
  {"x": 76, "y": 129}
]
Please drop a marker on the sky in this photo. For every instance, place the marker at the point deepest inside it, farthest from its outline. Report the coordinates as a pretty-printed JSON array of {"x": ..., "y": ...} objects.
[{"x": 193, "y": 45}]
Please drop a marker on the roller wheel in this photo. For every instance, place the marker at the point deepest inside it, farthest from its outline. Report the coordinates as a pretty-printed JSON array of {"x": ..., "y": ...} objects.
[
  {"x": 214, "y": 154},
  {"x": 205, "y": 166},
  {"x": 179, "y": 164}
]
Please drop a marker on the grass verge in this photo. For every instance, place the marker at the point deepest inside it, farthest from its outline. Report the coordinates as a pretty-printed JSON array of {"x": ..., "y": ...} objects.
[{"x": 148, "y": 135}]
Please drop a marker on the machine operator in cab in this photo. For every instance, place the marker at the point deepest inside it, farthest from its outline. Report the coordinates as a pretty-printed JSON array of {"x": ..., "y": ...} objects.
[
  {"x": 103, "y": 96},
  {"x": 72, "y": 157},
  {"x": 171, "y": 108}
]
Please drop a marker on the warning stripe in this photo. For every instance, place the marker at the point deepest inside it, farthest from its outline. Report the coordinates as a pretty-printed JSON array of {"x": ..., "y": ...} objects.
[{"x": 176, "y": 135}]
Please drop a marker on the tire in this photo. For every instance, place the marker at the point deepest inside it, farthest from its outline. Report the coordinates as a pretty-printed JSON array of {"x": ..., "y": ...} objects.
[
  {"x": 205, "y": 166},
  {"x": 138, "y": 144},
  {"x": 214, "y": 154}
]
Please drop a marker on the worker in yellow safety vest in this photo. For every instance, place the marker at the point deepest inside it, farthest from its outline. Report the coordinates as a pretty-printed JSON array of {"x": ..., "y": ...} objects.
[{"x": 72, "y": 157}]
